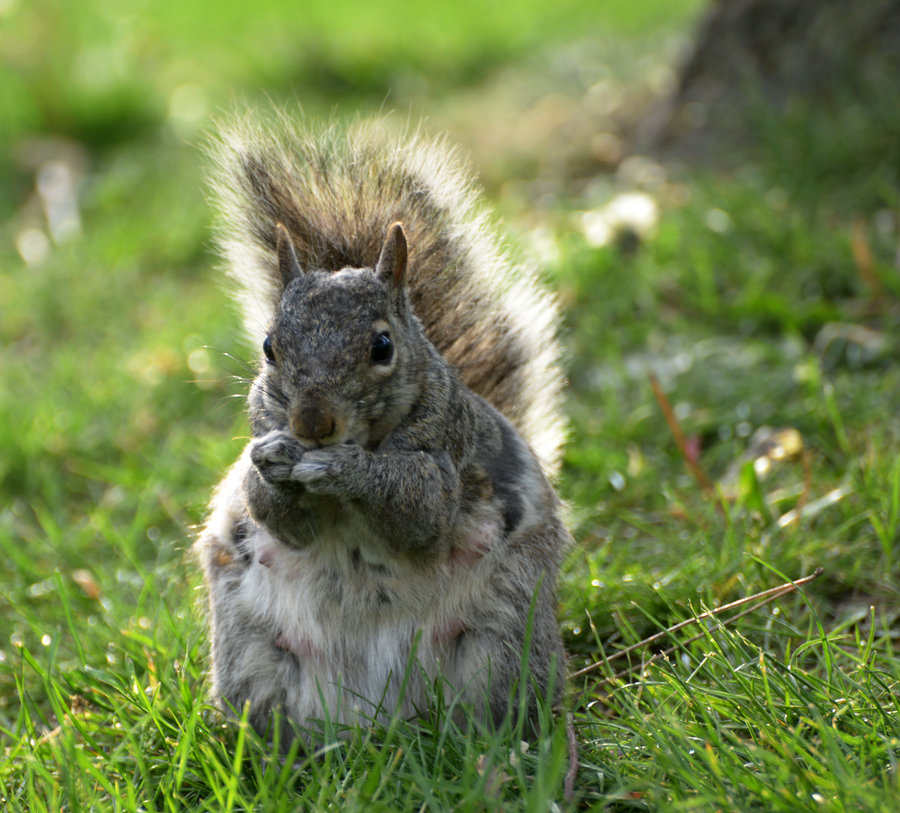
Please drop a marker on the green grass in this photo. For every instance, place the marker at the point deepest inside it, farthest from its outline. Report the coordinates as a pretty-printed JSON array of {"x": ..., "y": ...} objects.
[{"x": 120, "y": 407}]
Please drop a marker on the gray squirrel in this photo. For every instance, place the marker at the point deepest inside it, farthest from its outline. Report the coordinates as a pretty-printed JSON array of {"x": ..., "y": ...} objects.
[{"x": 389, "y": 527}]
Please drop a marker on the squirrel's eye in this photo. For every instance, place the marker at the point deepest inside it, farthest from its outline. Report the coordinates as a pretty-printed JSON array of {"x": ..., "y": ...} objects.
[
  {"x": 382, "y": 348},
  {"x": 267, "y": 350}
]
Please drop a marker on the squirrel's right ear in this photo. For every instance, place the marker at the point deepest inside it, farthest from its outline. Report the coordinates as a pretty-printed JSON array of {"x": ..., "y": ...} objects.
[
  {"x": 287, "y": 257},
  {"x": 391, "y": 266}
]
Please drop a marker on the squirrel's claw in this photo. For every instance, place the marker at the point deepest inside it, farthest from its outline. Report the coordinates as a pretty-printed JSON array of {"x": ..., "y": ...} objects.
[
  {"x": 275, "y": 455},
  {"x": 326, "y": 470}
]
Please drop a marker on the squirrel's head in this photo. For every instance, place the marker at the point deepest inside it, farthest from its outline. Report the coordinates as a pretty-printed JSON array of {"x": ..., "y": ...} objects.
[{"x": 341, "y": 353}]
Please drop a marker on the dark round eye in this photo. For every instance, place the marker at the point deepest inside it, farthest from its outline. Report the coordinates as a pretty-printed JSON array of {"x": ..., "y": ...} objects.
[
  {"x": 382, "y": 348},
  {"x": 267, "y": 350}
]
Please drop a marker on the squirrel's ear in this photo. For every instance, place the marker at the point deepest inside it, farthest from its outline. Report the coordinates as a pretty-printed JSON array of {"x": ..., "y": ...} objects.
[
  {"x": 287, "y": 257},
  {"x": 391, "y": 265}
]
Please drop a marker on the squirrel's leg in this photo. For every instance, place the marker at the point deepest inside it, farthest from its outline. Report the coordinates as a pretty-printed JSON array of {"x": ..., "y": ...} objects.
[
  {"x": 247, "y": 665},
  {"x": 511, "y": 646},
  {"x": 275, "y": 454},
  {"x": 274, "y": 496},
  {"x": 411, "y": 498},
  {"x": 488, "y": 672},
  {"x": 280, "y": 508}
]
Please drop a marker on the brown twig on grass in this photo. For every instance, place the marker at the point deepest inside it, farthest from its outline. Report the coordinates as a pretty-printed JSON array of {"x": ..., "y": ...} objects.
[
  {"x": 865, "y": 262},
  {"x": 675, "y": 428},
  {"x": 807, "y": 484},
  {"x": 762, "y": 598}
]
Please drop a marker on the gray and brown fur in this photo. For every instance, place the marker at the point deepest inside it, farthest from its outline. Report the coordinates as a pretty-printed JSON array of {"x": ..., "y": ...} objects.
[
  {"x": 336, "y": 191},
  {"x": 386, "y": 521}
]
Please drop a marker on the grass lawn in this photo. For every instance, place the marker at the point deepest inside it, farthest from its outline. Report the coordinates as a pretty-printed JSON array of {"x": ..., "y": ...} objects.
[{"x": 763, "y": 299}]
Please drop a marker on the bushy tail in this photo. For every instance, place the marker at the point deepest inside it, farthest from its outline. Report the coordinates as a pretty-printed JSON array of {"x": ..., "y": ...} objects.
[{"x": 337, "y": 191}]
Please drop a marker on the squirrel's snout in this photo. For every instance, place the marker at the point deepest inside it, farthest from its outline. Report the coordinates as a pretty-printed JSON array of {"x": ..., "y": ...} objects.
[{"x": 314, "y": 424}]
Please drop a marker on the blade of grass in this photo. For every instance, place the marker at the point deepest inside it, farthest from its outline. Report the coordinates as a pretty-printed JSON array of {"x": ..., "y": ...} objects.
[{"x": 766, "y": 595}]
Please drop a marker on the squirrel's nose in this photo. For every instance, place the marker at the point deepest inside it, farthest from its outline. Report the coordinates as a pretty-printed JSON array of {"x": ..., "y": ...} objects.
[{"x": 312, "y": 422}]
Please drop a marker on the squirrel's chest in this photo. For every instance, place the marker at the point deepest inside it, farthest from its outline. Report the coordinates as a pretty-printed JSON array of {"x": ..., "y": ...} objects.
[
  {"x": 333, "y": 583},
  {"x": 334, "y": 603}
]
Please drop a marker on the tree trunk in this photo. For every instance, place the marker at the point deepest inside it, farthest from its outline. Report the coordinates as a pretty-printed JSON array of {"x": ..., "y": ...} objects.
[{"x": 758, "y": 58}]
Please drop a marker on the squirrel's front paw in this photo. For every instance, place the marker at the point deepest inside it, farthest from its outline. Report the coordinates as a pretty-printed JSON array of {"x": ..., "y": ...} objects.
[
  {"x": 275, "y": 455},
  {"x": 329, "y": 470}
]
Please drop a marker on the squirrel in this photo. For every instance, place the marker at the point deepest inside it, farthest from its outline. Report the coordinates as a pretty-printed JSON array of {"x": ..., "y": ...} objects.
[{"x": 390, "y": 526}]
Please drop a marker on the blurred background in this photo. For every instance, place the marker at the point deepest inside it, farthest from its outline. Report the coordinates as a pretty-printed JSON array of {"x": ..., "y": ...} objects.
[
  {"x": 523, "y": 85},
  {"x": 116, "y": 334},
  {"x": 711, "y": 187}
]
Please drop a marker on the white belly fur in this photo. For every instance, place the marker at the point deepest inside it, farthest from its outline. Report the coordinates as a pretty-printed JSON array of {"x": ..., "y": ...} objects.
[{"x": 353, "y": 647}]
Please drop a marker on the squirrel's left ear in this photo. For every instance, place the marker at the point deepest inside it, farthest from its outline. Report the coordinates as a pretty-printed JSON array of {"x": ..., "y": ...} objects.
[
  {"x": 287, "y": 257},
  {"x": 391, "y": 266}
]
